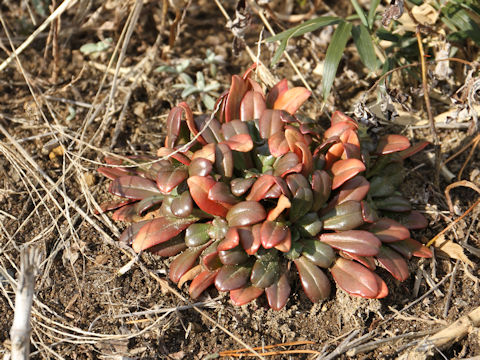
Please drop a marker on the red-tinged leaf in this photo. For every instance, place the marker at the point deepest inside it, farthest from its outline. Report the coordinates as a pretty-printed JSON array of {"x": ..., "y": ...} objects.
[
  {"x": 314, "y": 281},
  {"x": 344, "y": 170},
  {"x": 319, "y": 253},
  {"x": 414, "y": 220},
  {"x": 273, "y": 233},
  {"x": 235, "y": 256},
  {"x": 250, "y": 238},
  {"x": 277, "y": 144},
  {"x": 261, "y": 187},
  {"x": 113, "y": 205},
  {"x": 279, "y": 88},
  {"x": 333, "y": 154},
  {"x": 184, "y": 262},
  {"x": 110, "y": 160},
  {"x": 114, "y": 172},
  {"x": 224, "y": 160},
  {"x": 345, "y": 216},
  {"x": 285, "y": 245},
  {"x": 201, "y": 282},
  {"x": 252, "y": 106},
  {"x": 367, "y": 261},
  {"x": 293, "y": 136},
  {"x": 206, "y": 152},
  {"x": 411, "y": 247},
  {"x": 322, "y": 186},
  {"x": 199, "y": 188},
  {"x": 182, "y": 206},
  {"x": 270, "y": 123},
  {"x": 231, "y": 277},
  {"x": 388, "y": 230},
  {"x": 240, "y": 142},
  {"x": 133, "y": 187},
  {"x": 307, "y": 158},
  {"x": 357, "y": 280},
  {"x": 244, "y": 295},
  {"x": 354, "y": 189},
  {"x": 292, "y": 99},
  {"x": 287, "y": 164},
  {"x": 126, "y": 213},
  {"x": 393, "y": 262},
  {"x": 240, "y": 186},
  {"x": 339, "y": 128},
  {"x": 129, "y": 233},
  {"x": 235, "y": 95},
  {"x": 369, "y": 215},
  {"x": 278, "y": 293},
  {"x": 200, "y": 167},
  {"x": 392, "y": 143},
  {"x": 174, "y": 121},
  {"x": 232, "y": 239},
  {"x": 358, "y": 242},
  {"x": 301, "y": 203},
  {"x": 265, "y": 273},
  {"x": 234, "y": 127},
  {"x": 412, "y": 150},
  {"x": 393, "y": 203},
  {"x": 338, "y": 117},
  {"x": 197, "y": 234},
  {"x": 169, "y": 248},
  {"x": 159, "y": 230},
  {"x": 246, "y": 213},
  {"x": 297, "y": 181},
  {"x": 170, "y": 179},
  {"x": 166, "y": 152},
  {"x": 220, "y": 193}
]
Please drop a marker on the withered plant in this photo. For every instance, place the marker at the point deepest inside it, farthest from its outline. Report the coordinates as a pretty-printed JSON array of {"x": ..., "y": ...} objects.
[{"x": 241, "y": 195}]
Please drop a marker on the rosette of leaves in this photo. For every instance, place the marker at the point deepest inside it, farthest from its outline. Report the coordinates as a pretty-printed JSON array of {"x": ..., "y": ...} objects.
[{"x": 240, "y": 196}]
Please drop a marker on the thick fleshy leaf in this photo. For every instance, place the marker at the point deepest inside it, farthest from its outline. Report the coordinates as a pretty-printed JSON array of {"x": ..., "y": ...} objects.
[
  {"x": 412, "y": 150},
  {"x": 393, "y": 262},
  {"x": 133, "y": 187},
  {"x": 319, "y": 253},
  {"x": 246, "y": 213},
  {"x": 240, "y": 186},
  {"x": 270, "y": 123},
  {"x": 306, "y": 158},
  {"x": 265, "y": 273},
  {"x": 292, "y": 99},
  {"x": 273, "y": 233},
  {"x": 293, "y": 136},
  {"x": 224, "y": 160},
  {"x": 250, "y": 238},
  {"x": 252, "y": 106},
  {"x": 322, "y": 186},
  {"x": 345, "y": 216},
  {"x": 174, "y": 120},
  {"x": 169, "y": 248},
  {"x": 411, "y": 247},
  {"x": 146, "y": 204},
  {"x": 182, "y": 206},
  {"x": 354, "y": 189},
  {"x": 167, "y": 180},
  {"x": 199, "y": 187},
  {"x": 314, "y": 281},
  {"x": 368, "y": 213},
  {"x": 220, "y": 192},
  {"x": 129, "y": 233},
  {"x": 414, "y": 220},
  {"x": 381, "y": 186},
  {"x": 279, "y": 88},
  {"x": 393, "y": 203},
  {"x": 200, "y": 167},
  {"x": 301, "y": 203},
  {"x": 159, "y": 230},
  {"x": 126, "y": 213},
  {"x": 237, "y": 90},
  {"x": 392, "y": 143},
  {"x": 357, "y": 280},
  {"x": 277, "y": 144},
  {"x": 206, "y": 152},
  {"x": 388, "y": 230},
  {"x": 367, "y": 261},
  {"x": 231, "y": 277},
  {"x": 309, "y": 224},
  {"x": 197, "y": 234},
  {"x": 114, "y": 172},
  {"x": 261, "y": 187},
  {"x": 234, "y": 127},
  {"x": 184, "y": 262},
  {"x": 339, "y": 128},
  {"x": 244, "y": 295},
  {"x": 338, "y": 116},
  {"x": 235, "y": 256},
  {"x": 287, "y": 164},
  {"x": 344, "y": 170},
  {"x": 113, "y": 205},
  {"x": 240, "y": 142},
  {"x": 201, "y": 283},
  {"x": 232, "y": 239},
  {"x": 277, "y": 294},
  {"x": 358, "y": 242},
  {"x": 174, "y": 154}
]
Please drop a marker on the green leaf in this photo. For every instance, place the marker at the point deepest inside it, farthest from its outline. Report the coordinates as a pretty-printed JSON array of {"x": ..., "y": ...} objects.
[
  {"x": 364, "y": 44},
  {"x": 334, "y": 54},
  {"x": 96, "y": 47},
  {"x": 360, "y": 12},
  {"x": 463, "y": 21},
  {"x": 372, "y": 12},
  {"x": 307, "y": 26}
]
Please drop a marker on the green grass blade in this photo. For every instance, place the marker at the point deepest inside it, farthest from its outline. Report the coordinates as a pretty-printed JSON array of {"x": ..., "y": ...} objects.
[
  {"x": 371, "y": 13},
  {"x": 333, "y": 56},
  {"x": 360, "y": 12},
  {"x": 364, "y": 44}
]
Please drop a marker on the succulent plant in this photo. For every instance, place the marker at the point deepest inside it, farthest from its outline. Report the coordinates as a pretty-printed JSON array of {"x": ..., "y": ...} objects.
[{"x": 242, "y": 194}]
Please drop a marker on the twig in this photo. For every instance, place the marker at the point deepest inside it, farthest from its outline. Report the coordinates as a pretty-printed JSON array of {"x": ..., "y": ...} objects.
[
  {"x": 450, "y": 290},
  {"x": 20, "y": 331}
]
